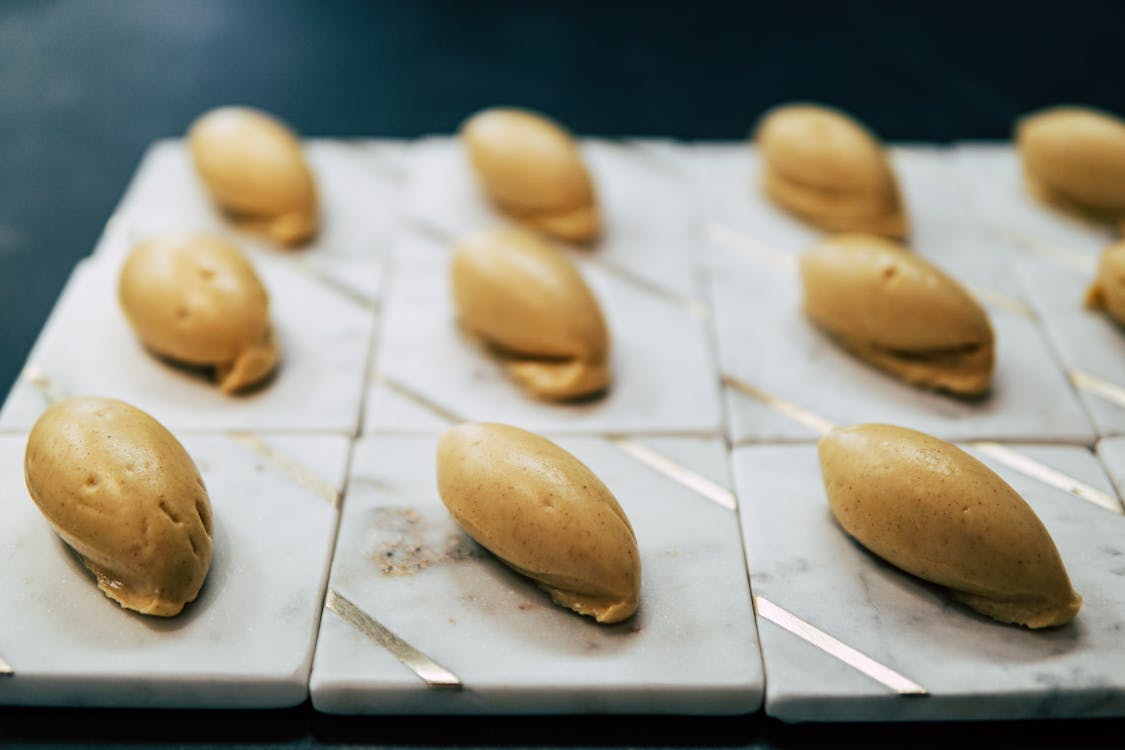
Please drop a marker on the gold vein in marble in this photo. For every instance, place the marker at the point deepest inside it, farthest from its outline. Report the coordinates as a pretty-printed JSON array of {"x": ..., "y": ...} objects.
[
  {"x": 432, "y": 673},
  {"x": 1001, "y": 301},
  {"x": 1074, "y": 260},
  {"x": 335, "y": 285},
  {"x": 1045, "y": 474},
  {"x": 677, "y": 472},
  {"x": 857, "y": 660},
  {"x": 691, "y": 306},
  {"x": 5, "y": 669},
  {"x": 288, "y": 467},
  {"x": 797, "y": 413},
  {"x": 47, "y": 386},
  {"x": 724, "y": 236},
  {"x": 1111, "y": 392},
  {"x": 421, "y": 400}
]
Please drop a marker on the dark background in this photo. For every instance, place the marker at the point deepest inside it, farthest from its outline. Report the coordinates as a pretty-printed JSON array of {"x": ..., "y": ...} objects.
[{"x": 85, "y": 86}]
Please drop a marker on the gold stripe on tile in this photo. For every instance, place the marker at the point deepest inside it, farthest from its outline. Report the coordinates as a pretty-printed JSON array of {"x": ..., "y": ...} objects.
[
  {"x": 999, "y": 300},
  {"x": 693, "y": 307},
  {"x": 788, "y": 408},
  {"x": 288, "y": 466},
  {"x": 5, "y": 669},
  {"x": 1111, "y": 392},
  {"x": 432, "y": 673},
  {"x": 714, "y": 492},
  {"x": 424, "y": 401},
  {"x": 724, "y": 236},
  {"x": 339, "y": 287},
  {"x": 1045, "y": 474},
  {"x": 1076, "y": 261},
  {"x": 834, "y": 647},
  {"x": 439, "y": 234},
  {"x": 37, "y": 377}
]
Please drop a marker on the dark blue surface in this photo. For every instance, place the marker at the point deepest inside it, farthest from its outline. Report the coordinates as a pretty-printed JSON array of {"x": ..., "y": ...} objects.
[{"x": 85, "y": 86}]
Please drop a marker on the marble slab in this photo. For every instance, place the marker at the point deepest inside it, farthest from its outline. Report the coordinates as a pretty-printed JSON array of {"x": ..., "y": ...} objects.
[
  {"x": 246, "y": 642},
  {"x": 764, "y": 339},
  {"x": 993, "y": 178},
  {"x": 1112, "y": 453},
  {"x": 1088, "y": 342},
  {"x": 359, "y": 185},
  {"x": 973, "y": 667},
  {"x": 664, "y": 376},
  {"x": 324, "y": 333},
  {"x": 691, "y": 648},
  {"x": 649, "y": 214}
]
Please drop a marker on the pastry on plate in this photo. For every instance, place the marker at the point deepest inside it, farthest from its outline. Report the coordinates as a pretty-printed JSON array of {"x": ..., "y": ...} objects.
[
  {"x": 255, "y": 170},
  {"x": 890, "y": 307},
  {"x": 530, "y": 305},
  {"x": 1074, "y": 158},
  {"x": 829, "y": 170},
  {"x": 195, "y": 300},
  {"x": 931, "y": 509},
  {"x": 125, "y": 495},
  {"x": 543, "y": 513},
  {"x": 532, "y": 170}
]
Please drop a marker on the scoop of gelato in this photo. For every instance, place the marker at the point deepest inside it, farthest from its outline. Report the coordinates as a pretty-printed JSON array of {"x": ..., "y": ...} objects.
[
  {"x": 124, "y": 494},
  {"x": 543, "y": 513},
  {"x": 936, "y": 512}
]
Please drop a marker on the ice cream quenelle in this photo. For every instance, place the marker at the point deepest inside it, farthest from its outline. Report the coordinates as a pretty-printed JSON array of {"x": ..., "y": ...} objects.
[
  {"x": 194, "y": 299},
  {"x": 1074, "y": 158},
  {"x": 828, "y": 169},
  {"x": 531, "y": 168},
  {"x": 890, "y": 307},
  {"x": 255, "y": 170},
  {"x": 1108, "y": 290},
  {"x": 936, "y": 512},
  {"x": 124, "y": 494},
  {"x": 528, "y": 302},
  {"x": 544, "y": 514}
]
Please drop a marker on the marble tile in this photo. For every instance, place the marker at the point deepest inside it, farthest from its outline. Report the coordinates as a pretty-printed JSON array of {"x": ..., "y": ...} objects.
[
  {"x": 766, "y": 341},
  {"x": 650, "y": 217},
  {"x": 246, "y": 642},
  {"x": 1088, "y": 342},
  {"x": 691, "y": 648},
  {"x": 1111, "y": 451},
  {"x": 87, "y": 347},
  {"x": 973, "y": 667},
  {"x": 993, "y": 178},
  {"x": 664, "y": 377}
]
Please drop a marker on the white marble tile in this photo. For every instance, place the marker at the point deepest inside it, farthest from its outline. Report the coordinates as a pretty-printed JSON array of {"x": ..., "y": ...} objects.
[
  {"x": 1112, "y": 453},
  {"x": 691, "y": 648},
  {"x": 650, "y": 216},
  {"x": 973, "y": 667},
  {"x": 1088, "y": 342},
  {"x": 247, "y": 641},
  {"x": 324, "y": 333},
  {"x": 664, "y": 377},
  {"x": 766, "y": 341},
  {"x": 993, "y": 178}
]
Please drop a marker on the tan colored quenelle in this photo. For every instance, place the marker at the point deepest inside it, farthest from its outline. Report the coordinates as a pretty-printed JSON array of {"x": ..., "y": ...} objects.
[
  {"x": 543, "y": 513},
  {"x": 532, "y": 170},
  {"x": 830, "y": 170},
  {"x": 1108, "y": 290},
  {"x": 936, "y": 512},
  {"x": 255, "y": 170},
  {"x": 122, "y": 491},
  {"x": 1074, "y": 157},
  {"x": 898, "y": 312},
  {"x": 195, "y": 299},
  {"x": 528, "y": 302}
]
